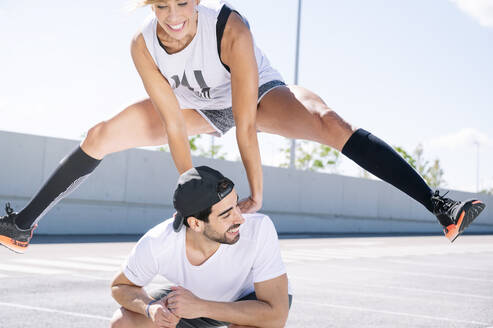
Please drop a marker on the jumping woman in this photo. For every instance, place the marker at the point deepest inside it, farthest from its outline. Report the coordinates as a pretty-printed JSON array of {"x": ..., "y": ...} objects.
[{"x": 204, "y": 74}]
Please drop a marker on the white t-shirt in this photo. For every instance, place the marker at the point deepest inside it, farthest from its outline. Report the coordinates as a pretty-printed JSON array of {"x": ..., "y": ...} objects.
[
  {"x": 196, "y": 74},
  {"x": 227, "y": 275}
]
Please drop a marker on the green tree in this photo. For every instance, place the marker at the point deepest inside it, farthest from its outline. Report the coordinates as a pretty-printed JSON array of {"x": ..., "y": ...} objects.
[
  {"x": 214, "y": 151},
  {"x": 193, "y": 142},
  {"x": 312, "y": 156},
  {"x": 431, "y": 173},
  {"x": 487, "y": 191},
  {"x": 434, "y": 175}
]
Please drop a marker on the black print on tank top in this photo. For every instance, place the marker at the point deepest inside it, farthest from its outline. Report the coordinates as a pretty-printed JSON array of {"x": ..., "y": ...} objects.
[{"x": 204, "y": 89}]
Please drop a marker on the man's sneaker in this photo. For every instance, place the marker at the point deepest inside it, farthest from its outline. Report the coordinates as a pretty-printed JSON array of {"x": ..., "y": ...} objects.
[
  {"x": 11, "y": 236},
  {"x": 455, "y": 216}
]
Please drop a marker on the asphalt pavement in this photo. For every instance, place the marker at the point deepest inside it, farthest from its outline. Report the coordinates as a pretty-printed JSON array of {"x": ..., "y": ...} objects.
[{"x": 337, "y": 282}]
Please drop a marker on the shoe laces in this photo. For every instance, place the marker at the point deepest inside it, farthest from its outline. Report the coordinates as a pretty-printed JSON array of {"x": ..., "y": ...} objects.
[
  {"x": 441, "y": 203},
  {"x": 8, "y": 209}
]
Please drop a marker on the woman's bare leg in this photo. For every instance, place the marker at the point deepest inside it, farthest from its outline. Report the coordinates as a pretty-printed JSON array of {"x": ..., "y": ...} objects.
[
  {"x": 295, "y": 112},
  {"x": 137, "y": 125}
]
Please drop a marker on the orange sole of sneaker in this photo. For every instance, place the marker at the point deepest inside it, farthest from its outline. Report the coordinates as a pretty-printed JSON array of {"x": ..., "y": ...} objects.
[
  {"x": 452, "y": 234},
  {"x": 452, "y": 231},
  {"x": 13, "y": 245},
  {"x": 466, "y": 217}
]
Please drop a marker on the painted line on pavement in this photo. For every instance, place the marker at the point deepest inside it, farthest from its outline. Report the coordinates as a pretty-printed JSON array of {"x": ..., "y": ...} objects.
[
  {"x": 421, "y": 316},
  {"x": 355, "y": 284},
  {"x": 419, "y": 274},
  {"x": 374, "y": 295},
  {"x": 99, "y": 260},
  {"x": 30, "y": 269},
  {"x": 439, "y": 265},
  {"x": 73, "y": 314},
  {"x": 70, "y": 265},
  {"x": 86, "y": 276}
]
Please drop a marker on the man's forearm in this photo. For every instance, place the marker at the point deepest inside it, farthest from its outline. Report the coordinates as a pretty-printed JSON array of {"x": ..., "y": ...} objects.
[
  {"x": 246, "y": 313},
  {"x": 131, "y": 298}
]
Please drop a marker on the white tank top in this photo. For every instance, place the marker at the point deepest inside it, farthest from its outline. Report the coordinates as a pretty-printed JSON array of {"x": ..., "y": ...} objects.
[{"x": 196, "y": 74}]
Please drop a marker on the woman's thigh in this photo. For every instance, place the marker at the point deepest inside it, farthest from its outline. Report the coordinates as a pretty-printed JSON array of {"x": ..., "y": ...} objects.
[
  {"x": 295, "y": 112},
  {"x": 138, "y": 125}
]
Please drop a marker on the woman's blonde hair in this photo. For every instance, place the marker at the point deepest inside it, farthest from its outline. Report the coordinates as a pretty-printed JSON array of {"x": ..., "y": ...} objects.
[
  {"x": 147, "y": 2},
  {"x": 134, "y": 4}
]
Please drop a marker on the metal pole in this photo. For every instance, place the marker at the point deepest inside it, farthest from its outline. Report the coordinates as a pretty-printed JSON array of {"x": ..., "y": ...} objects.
[
  {"x": 477, "y": 165},
  {"x": 297, "y": 58},
  {"x": 296, "y": 67},
  {"x": 212, "y": 147}
]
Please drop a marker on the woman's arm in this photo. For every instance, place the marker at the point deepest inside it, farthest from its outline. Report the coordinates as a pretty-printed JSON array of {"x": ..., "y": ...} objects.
[
  {"x": 237, "y": 51},
  {"x": 165, "y": 101}
]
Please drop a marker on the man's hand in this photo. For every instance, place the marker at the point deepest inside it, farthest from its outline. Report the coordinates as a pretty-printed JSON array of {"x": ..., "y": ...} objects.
[
  {"x": 184, "y": 304},
  {"x": 249, "y": 205},
  {"x": 161, "y": 316}
]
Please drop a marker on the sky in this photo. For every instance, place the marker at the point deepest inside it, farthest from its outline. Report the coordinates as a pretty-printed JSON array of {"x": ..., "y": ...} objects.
[{"x": 411, "y": 72}]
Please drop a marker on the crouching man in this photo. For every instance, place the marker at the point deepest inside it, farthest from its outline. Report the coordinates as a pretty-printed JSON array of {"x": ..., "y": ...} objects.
[{"x": 226, "y": 267}]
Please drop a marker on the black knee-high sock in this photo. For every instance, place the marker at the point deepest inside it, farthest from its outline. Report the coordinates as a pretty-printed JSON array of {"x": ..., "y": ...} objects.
[
  {"x": 69, "y": 174},
  {"x": 378, "y": 158}
]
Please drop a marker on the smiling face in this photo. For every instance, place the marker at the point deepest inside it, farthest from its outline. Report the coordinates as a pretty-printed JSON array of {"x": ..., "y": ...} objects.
[
  {"x": 224, "y": 221},
  {"x": 178, "y": 18}
]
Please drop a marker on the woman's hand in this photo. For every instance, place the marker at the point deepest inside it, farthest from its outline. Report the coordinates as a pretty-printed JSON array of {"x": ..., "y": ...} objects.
[{"x": 249, "y": 205}]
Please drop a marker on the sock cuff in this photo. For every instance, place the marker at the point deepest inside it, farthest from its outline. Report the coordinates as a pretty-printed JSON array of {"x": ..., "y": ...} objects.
[
  {"x": 81, "y": 160},
  {"x": 79, "y": 155},
  {"x": 84, "y": 155},
  {"x": 354, "y": 142}
]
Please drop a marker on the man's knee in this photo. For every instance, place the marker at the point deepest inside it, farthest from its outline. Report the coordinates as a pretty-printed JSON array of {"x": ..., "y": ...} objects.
[{"x": 119, "y": 319}]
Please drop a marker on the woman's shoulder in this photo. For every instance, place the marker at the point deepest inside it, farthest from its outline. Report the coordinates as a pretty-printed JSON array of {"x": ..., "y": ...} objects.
[
  {"x": 144, "y": 36},
  {"x": 148, "y": 26}
]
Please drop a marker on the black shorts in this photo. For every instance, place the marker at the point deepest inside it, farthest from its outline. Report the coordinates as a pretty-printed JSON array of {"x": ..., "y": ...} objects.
[
  {"x": 202, "y": 322},
  {"x": 222, "y": 119}
]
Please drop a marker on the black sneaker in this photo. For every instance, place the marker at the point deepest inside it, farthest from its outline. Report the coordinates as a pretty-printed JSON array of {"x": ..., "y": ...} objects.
[
  {"x": 455, "y": 216},
  {"x": 11, "y": 236}
]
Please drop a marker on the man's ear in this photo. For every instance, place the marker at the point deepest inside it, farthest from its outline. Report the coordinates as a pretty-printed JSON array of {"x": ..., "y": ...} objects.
[{"x": 195, "y": 224}]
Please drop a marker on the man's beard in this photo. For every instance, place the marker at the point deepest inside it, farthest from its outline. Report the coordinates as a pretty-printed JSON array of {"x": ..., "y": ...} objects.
[{"x": 222, "y": 239}]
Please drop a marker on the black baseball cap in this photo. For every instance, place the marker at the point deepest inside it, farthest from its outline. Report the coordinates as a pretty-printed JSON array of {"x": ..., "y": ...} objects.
[{"x": 196, "y": 190}]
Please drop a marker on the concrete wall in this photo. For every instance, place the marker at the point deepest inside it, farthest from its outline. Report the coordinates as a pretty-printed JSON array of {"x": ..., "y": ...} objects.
[{"x": 131, "y": 191}]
